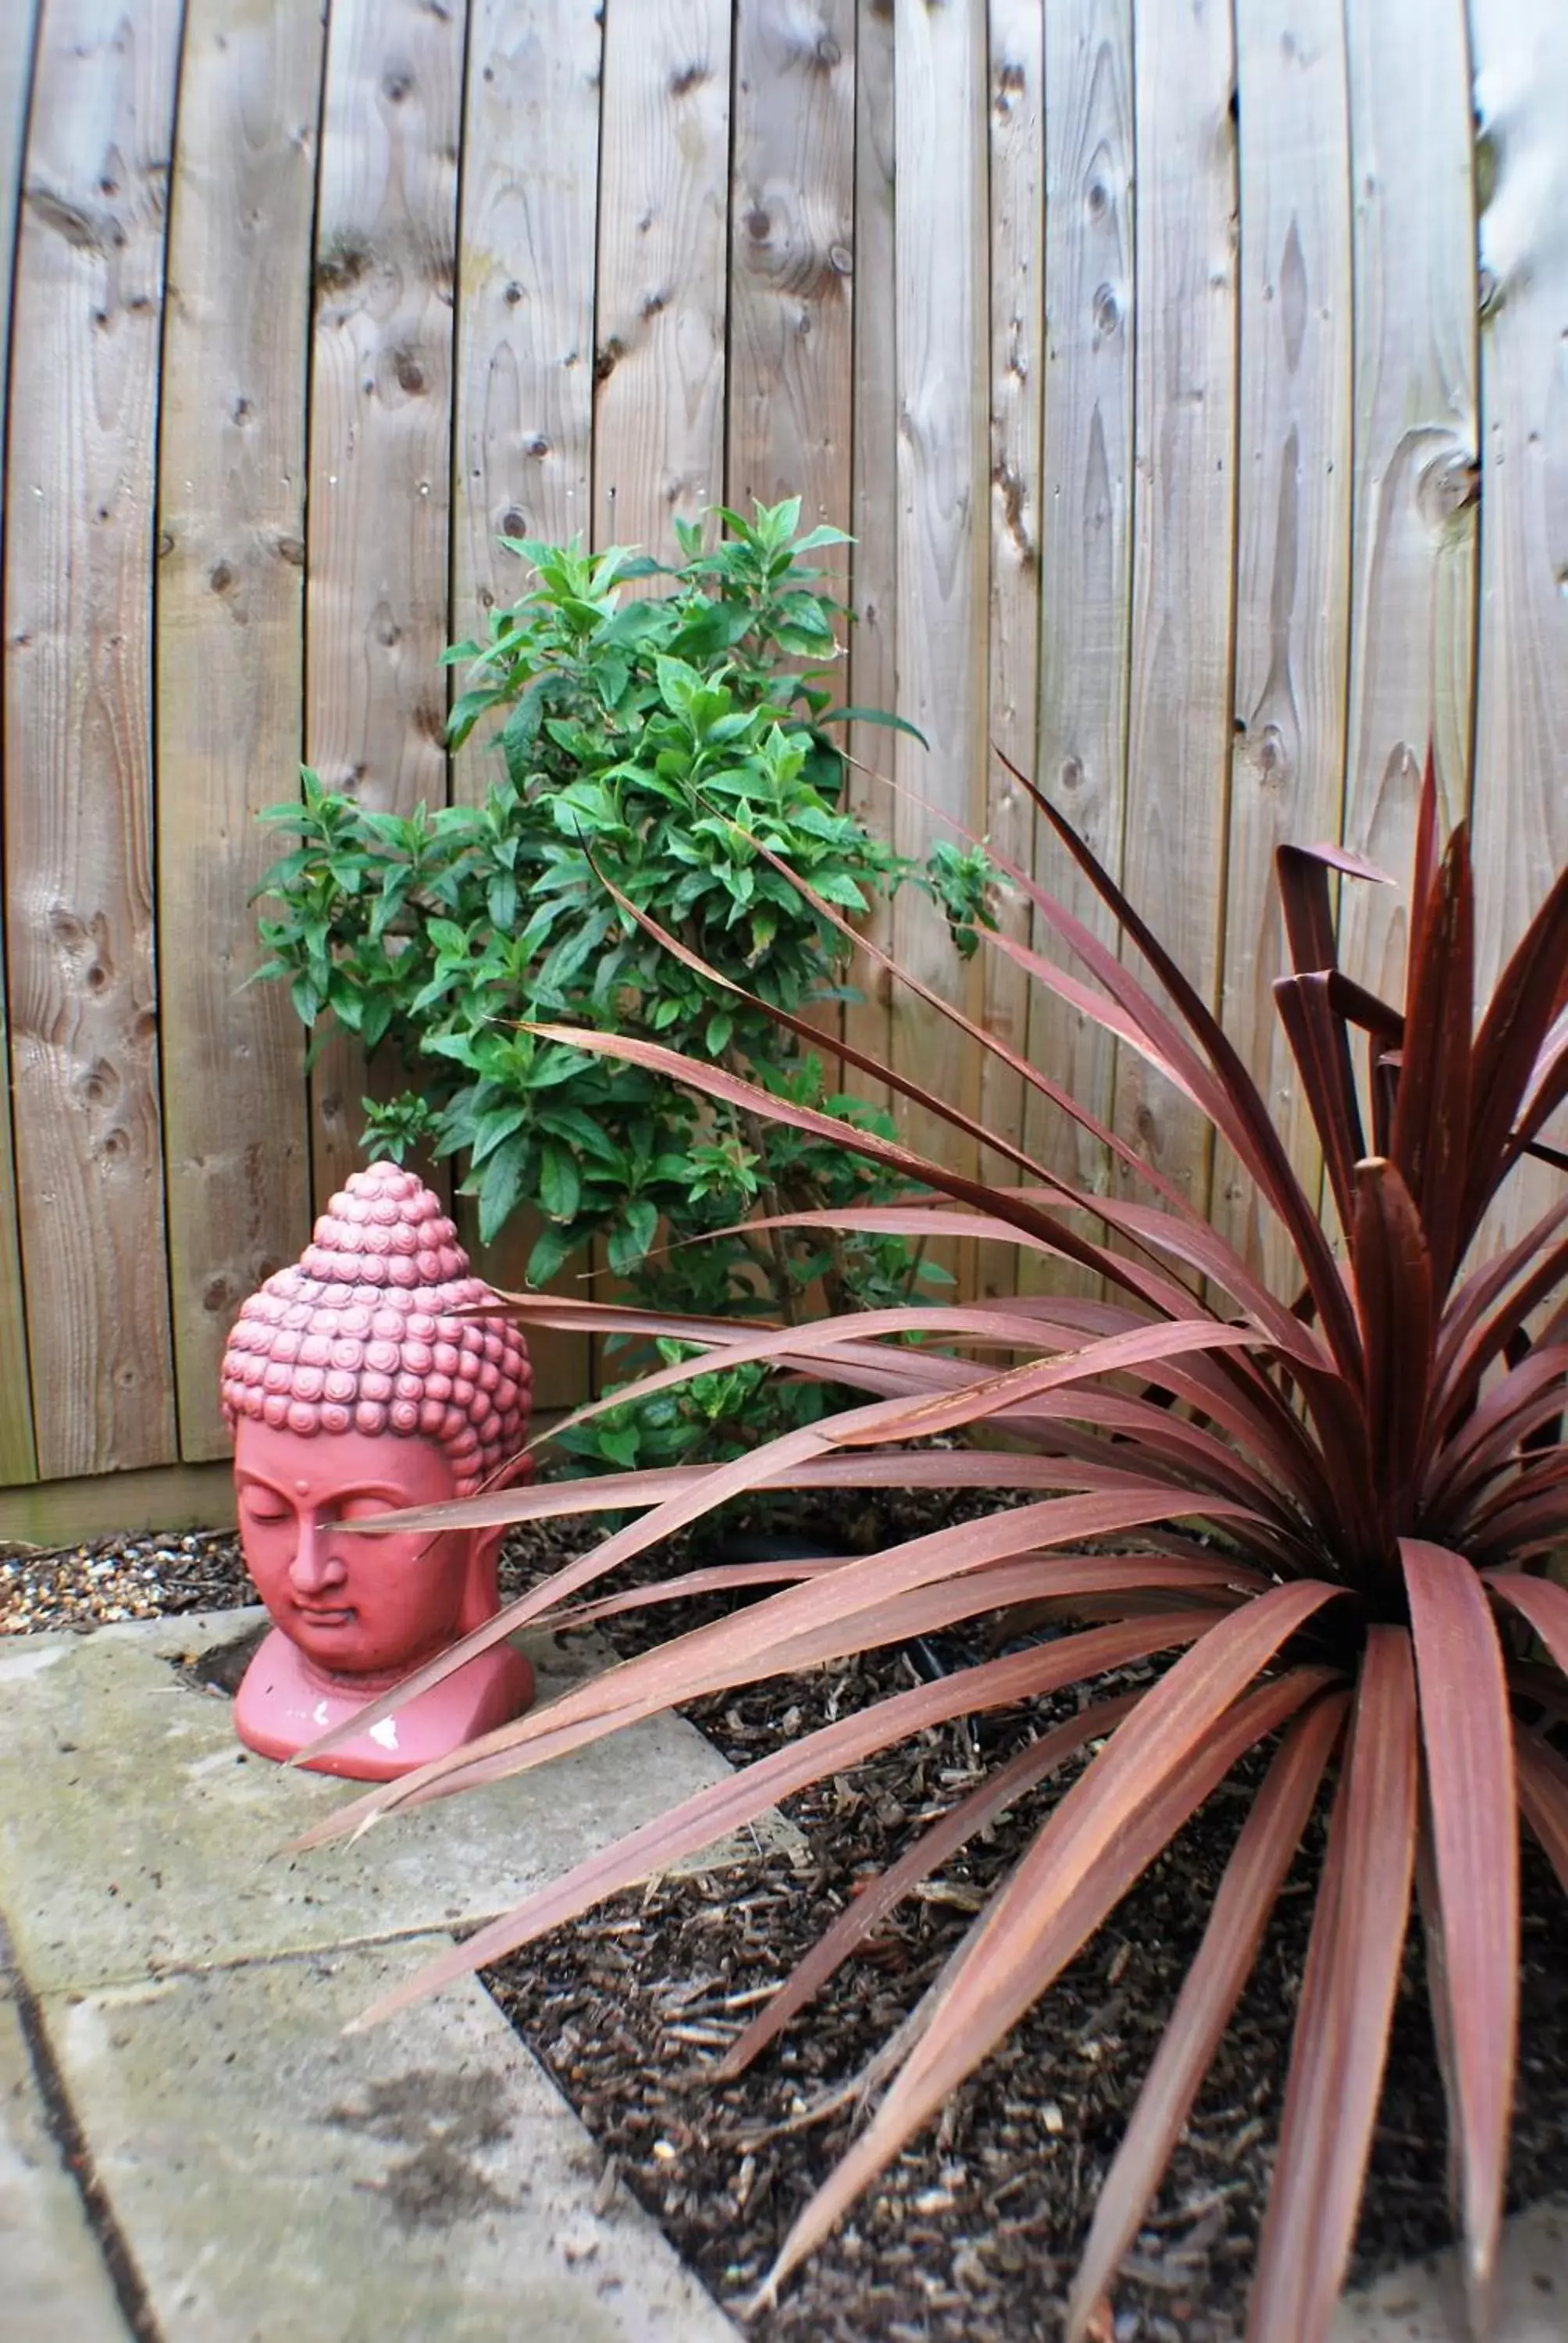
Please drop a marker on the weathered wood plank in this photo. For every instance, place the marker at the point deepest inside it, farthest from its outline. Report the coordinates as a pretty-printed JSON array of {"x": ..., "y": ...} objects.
[
  {"x": 792, "y": 225},
  {"x": 791, "y": 317},
  {"x": 1413, "y": 616},
  {"x": 162, "y": 1497},
  {"x": 942, "y": 329},
  {"x": 873, "y": 442},
  {"x": 658, "y": 421},
  {"x": 79, "y": 723},
  {"x": 1292, "y": 547},
  {"x": 18, "y": 1456},
  {"x": 524, "y": 393},
  {"x": 1016, "y": 230},
  {"x": 526, "y": 324},
  {"x": 380, "y": 442},
  {"x": 1179, "y": 738},
  {"x": 1521, "y": 795},
  {"x": 230, "y": 657},
  {"x": 663, "y": 250},
  {"x": 1086, "y": 536}
]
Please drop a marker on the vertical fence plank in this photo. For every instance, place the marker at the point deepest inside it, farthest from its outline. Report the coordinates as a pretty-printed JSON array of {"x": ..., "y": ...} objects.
[
  {"x": 791, "y": 235},
  {"x": 1017, "y": 271},
  {"x": 78, "y": 650},
  {"x": 1086, "y": 533},
  {"x": 873, "y": 441},
  {"x": 1414, "y": 517},
  {"x": 524, "y": 397},
  {"x": 941, "y": 335},
  {"x": 1292, "y": 538},
  {"x": 792, "y": 226},
  {"x": 230, "y": 661},
  {"x": 380, "y": 442},
  {"x": 1520, "y": 799},
  {"x": 524, "y": 324},
  {"x": 1179, "y": 747},
  {"x": 664, "y": 186},
  {"x": 18, "y": 1456}
]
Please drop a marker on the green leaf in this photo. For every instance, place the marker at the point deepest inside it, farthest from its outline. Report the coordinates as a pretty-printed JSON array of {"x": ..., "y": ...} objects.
[
  {"x": 874, "y": 716},
  {"x": 502, "y": 1185},
  {"x": 561, "y": 1182},
  {"x": 493, "y": 1128},
  {"x": 552, "y": 1248},
  {"x": 502, "y": 899}
]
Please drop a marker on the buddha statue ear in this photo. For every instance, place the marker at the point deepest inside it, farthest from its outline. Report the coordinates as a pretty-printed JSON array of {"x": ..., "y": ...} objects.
[{"x": 479, "y": 1593}]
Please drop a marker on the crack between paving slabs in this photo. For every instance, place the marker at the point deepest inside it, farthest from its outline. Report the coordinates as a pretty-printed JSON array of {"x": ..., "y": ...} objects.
[{"x": 70, "y": 2141}]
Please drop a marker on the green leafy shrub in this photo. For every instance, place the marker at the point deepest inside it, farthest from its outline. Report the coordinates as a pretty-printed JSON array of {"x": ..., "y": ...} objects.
[
  {"x": 1333, "y": 1506},
  {"x": 660, "y": 755}
]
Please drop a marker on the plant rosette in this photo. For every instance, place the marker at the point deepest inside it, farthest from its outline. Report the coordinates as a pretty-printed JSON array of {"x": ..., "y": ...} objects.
[{"x": 1332, "y": 1509}]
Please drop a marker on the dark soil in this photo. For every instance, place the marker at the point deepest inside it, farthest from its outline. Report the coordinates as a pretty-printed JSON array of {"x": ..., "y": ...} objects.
[{"x": 972, "y": 2236}]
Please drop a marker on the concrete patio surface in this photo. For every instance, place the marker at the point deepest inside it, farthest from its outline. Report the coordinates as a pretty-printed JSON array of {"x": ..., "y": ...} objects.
[
  {"x": 256, "y": 2175},
  {"x": 1423, "y": 2303},
  {"x": 192, "y": 2150}
]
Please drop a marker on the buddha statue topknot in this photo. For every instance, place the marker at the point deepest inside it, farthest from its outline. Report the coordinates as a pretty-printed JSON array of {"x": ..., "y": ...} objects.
[{"x": 353, "y": 1389}]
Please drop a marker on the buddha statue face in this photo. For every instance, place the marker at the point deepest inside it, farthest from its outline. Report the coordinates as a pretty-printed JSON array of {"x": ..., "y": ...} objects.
[
  {"x": 356, "y": 1605},
  {"x": 373, "y": 1376}
]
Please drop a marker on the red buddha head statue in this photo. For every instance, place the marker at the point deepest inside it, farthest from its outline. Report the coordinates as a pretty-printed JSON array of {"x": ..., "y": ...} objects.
[{"x": 353, "y": 1389}]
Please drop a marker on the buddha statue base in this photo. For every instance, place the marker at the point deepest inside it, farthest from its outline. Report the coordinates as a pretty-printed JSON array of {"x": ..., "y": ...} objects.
[{"x": 285, "y": 1703}]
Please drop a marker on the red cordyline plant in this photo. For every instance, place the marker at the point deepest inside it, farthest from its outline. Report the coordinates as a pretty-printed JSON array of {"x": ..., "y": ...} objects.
[{"x": 1333, "y": 1509}]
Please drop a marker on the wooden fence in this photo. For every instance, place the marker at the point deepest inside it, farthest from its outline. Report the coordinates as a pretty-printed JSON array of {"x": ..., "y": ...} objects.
[{"x": 1195, "y": 378}]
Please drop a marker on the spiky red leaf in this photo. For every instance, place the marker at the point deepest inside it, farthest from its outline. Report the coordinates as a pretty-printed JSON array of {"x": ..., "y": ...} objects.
[
  {"x": 1430, "y": 1133},
  {"x": 1393, "y": 1289},
  {"x": 1467, "y": 1739},
  {"x": 1341, "y": 2042},
  {"x": 873, "y": 1901},
  {"x": 1264, "y": 1853},
  {"x": 740, "y": 1797}
]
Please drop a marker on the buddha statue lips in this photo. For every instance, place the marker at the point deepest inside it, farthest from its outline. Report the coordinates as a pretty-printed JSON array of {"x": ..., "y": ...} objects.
[{"x": 354, "y": 1389}]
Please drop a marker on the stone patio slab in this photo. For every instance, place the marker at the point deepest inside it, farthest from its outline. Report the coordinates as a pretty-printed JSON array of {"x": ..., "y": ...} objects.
[
  {"x": 277, "y": 2182},
  {"x": 137, "y": 1837},
  {"x": 54, "y": 2287},
  {"x": 1423, "y": 2303}
]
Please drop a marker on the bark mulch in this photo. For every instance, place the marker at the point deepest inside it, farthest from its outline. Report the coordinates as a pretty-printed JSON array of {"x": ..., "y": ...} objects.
[{"x": 972, "y": 2236}]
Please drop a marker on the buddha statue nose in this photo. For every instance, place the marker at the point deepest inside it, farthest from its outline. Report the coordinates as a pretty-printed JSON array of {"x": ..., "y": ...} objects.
[{"x": 313, "y": 1570}]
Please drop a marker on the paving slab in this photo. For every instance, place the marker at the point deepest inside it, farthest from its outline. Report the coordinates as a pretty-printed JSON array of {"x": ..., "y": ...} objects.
[
  {"x": 137, "y": 1837},
  {"x": 1423, "y": 2303},
  {"x": 56, "y": 2287},
  {"x": 277, "y": 2182}
]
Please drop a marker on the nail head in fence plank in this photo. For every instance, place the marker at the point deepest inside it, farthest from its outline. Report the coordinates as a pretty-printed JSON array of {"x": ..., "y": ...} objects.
[
  {"x": 873, "y": 438},
  {"x": 380, "y": 445},
  {"x": 78, "y": 658},
  {"x": 18, "y": 1457},
  {"x": 1293, "y": 541},
  {"x": 1016, "y": 179},
  {"x": 230, "y": 645},
  {"x": 943, "y": 330},
  {"x": 1521, "y": 801},
  {"x": 664, "y": 188},
  {"x": 1086, "y": 576},
  {"x": 1413, "y": 609},
  {"x": 1179, "y": 737},
  {"x": 524, "y": 402}
]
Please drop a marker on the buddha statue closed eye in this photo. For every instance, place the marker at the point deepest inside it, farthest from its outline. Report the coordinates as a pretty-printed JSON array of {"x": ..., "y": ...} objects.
[{"x": 353, "y": 1389}]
